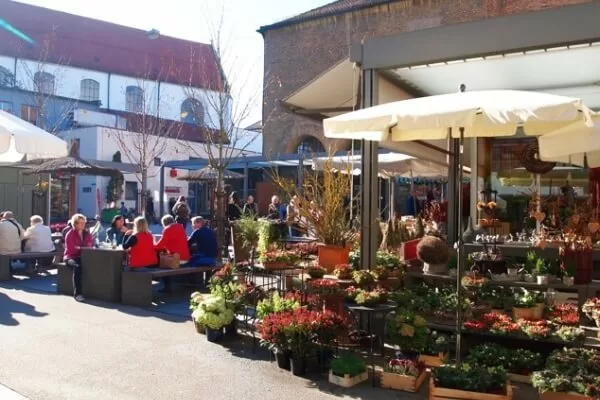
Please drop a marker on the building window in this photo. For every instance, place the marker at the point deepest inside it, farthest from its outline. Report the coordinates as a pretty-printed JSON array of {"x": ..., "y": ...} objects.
[
  {"x": 86, "y": 189},
  {"x": 157, "y": 162},
  {"x": 131, "y": 191},
  {"x": 6, "y": 106},
  {"x": 29, "y": 113},
  {"x": 7, "y": 79},
  {"x": 192, "y": 112},
  {"x": 134, "y": 99},
  {"x": 310, "y": 145},
  {"x": 43, "y": 82},
  {"x": 90, "y": 90}
]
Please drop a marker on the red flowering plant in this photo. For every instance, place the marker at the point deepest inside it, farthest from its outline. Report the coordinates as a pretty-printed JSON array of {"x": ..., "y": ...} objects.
[
  {"x": 534, "y": 329},
  {"x": 564, "y": 314},
  {"x": 350, "y": 293},
  {"x": 500, "y": 323},
  {"x": 304, "y": 250},
  {"x": 343, "y": 271},
  {"x": 310, "y": 301},
  {"x": 405, "y": 366},
  {"x": 330, "y": 326},
  {"x": 591, "y": 308},
  {"x": 475, "y": 326},
  {"x": 287, "y": 257},
  {"x": 324, "y": 286}
]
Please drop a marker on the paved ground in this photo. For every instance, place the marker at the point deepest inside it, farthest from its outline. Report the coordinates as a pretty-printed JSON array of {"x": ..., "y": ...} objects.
[{"x": 53, "y": 348}]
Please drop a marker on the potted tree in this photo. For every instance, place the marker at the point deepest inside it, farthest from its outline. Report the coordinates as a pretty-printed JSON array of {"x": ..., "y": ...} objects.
[
  {"x": 248, "y": 231},
  {"x": 322, "y": 209},
  {"x": 348, "y": 370},
  {"x": 434, "y": 254},
  {"x": 214, "y": 314}
]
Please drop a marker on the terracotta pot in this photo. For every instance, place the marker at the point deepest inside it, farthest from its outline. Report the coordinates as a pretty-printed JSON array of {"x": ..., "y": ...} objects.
[
  {"x": 526, "y": 313},
  {"x": 538, "y": 312},
  {"x": 330, "y": 256}
]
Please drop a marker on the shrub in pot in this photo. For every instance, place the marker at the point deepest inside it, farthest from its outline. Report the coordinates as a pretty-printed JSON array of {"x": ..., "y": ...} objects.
[
  {"x": 470, "y": 378},
  {"x": 524, "y": 306},
  {"x": 409, "y": 331},
  {"x": 316, "y": 272},
  {"x": 434, "y": 254},
  {"x": 343, "y": 271},
  {"x": 214, "y": 315},
  {"x": 364, "y": 277},
  {"x": 348, "y": 370}
]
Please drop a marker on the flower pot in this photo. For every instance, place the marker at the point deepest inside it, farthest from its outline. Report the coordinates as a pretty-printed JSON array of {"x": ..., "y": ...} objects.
[
  {"x": 214, "y": 335},
  {"x": 435, "y": 269},
  {"x": 542, "y": 279},
  {"x": 199, "y": 328},
  {"x": 298, "y": 366},
  {"x": 283, "y": 360},
  {"x": 330, "y": 256},
  {"x": 512, "y": 271},
  {"x": 390, "y": 380},
  {"x": 529, "y": 278},
  {"x": 538, "y": 311},
  {"x": 325, "y": 356},
  {"x": 527, "y": 313},
  {"x": 230, "y": 329},
  {"x": 457, "y": 394},
  {"x": 562, "y": 396},
  {"x": 334, "y": 302},
  {"x": 568, "y": 280}
]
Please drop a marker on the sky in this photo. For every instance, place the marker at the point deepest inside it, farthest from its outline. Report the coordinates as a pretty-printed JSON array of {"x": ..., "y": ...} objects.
[{"x": 191, "y": 19}]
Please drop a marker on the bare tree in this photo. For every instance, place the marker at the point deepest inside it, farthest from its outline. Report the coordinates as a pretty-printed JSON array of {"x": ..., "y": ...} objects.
[
  {"x": 46, "y": 73},
  {"x": 149, "y": 133},
  {"x": 220, "y": 110}
]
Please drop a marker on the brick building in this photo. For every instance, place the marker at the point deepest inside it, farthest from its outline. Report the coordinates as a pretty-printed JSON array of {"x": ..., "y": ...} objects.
[{"x": 300, "y": 49}]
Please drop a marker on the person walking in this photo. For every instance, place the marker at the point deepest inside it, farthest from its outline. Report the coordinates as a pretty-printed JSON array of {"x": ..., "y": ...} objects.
[{"x": 181, "y": 211}]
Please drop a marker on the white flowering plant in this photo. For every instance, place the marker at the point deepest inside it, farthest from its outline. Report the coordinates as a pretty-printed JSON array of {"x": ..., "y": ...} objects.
[{"x": 213, "y": 313}]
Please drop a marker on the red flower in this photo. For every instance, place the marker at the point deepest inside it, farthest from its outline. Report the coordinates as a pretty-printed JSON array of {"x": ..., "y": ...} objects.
[{"x": 475, "y": 325}]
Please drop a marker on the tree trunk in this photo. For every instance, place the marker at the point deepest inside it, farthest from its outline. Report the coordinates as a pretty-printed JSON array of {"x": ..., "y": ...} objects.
[
  {"x": 220, "y": 211},
  {"x": 144, "y": 191}
]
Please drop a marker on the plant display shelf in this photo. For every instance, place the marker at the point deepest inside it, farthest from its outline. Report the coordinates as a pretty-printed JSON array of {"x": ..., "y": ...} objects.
[
  {"x": 517, "y": 249},
  {"x": 437, "y": 393},
  {"x": 562, "y": 396},
  {"x": 412, "y": 384}
]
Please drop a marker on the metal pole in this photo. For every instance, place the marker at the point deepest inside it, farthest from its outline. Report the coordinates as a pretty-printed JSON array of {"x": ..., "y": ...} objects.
[
  {"x": 352, "y": 184},
  {"x": 161, "y": 191},
  {"x": 49, "y": 200}
]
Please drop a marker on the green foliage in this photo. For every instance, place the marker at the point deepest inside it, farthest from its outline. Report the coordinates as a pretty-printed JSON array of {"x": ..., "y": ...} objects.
[
  {"x": 348, "y": 364},
  {"x": 248, "y": 229},
  {"x": 518, "y": 361},
  {"x": 525, "y": 300},
  {"x": 542, "y": 267},
  {"x": 472, "y": 378},
  {"x": 275, "y": 304},
  {"x": 114, "y": 189},
  {"x": 213, "y": 313},
  {"x": 409, "y": 331}
]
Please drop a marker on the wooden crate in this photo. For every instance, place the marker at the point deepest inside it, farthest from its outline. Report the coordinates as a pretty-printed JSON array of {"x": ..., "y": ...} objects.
[
  {"x": 405, "y": 383},
  {"x": 562, "y": 396},
  {"x": 347, "y": 380},
  {"x": 519, "y": 378},
  {"x": 434, "y": 361},
  {"x": 436, "y": 393}
]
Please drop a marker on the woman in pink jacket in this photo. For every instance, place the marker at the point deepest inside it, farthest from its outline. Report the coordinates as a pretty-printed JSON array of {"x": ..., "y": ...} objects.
[{"x": 75, "y": 239}]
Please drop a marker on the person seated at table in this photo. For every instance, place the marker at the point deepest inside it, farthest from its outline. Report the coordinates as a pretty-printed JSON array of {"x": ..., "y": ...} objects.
[
  {"x": 116, "y": 232},
  {"x": 11, "y": 234},
  {"x": 76, "y": 239},
  {"x": 173, "y": 240},
  {"x": 274, "y": 211},
  {"x": 203, "y": 245},
  {"x": 141, "y": 245},
  {"x": 38, "y": 239}
]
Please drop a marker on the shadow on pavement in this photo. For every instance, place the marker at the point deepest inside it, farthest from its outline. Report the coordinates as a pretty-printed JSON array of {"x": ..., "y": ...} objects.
[{"x": 9, "y": 307}]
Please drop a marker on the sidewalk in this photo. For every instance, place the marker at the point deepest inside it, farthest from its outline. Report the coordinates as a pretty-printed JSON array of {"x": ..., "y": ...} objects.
[{"x": 7, "y": 394}]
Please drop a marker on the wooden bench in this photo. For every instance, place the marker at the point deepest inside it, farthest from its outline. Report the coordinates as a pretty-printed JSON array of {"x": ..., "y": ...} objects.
[
  {"x": 7, "y": 259},
  {"x": 136, "y": 287}
]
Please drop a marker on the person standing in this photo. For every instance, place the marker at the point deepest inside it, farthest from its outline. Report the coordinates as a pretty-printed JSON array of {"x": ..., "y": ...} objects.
[
  {"x": 233, "y": 208},
  {"x": 250, "y": 207},
  {"x": 181, "y": 211},
  {"x": 123, "y": 210},
  {"x": 76, "y": 239}
]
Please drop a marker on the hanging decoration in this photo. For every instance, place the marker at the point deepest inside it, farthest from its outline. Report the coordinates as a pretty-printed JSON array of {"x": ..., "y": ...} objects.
[{"x": 531, "y": 160}]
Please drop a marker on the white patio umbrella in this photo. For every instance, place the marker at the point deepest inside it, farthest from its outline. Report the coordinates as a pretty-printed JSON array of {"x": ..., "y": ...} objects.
[
  {"x": 461, "y": 115},
  {"x": 572, "y": 145},
  {"x": 19, "y": 138}
]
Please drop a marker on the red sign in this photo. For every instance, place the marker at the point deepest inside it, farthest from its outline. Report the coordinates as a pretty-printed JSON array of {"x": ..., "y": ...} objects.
[{"x": 172, "y": 189}]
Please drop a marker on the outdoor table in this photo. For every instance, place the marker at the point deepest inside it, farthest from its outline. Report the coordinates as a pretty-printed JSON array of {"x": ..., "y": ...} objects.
[
  {"x": 384, "y": 310},
  {"x": 102, "y": 273}
]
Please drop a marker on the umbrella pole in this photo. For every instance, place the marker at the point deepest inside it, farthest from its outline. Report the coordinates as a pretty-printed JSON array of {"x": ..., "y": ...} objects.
[
  {"x": 459, "y": 247},
  {"x": 49, "y": 200}
]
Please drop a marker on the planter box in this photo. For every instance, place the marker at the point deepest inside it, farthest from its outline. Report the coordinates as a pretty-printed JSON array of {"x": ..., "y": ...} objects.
[
  {"x": 562, "y": 396},
  {"x": 275, "y": 265},
  {"x": 519, "y": 378},
  {"x": 434, "y": 361},
  {"x": 347, "y": 380},
  {"x": 436, "y": 393},
  {"x": 405, "y": 383}
]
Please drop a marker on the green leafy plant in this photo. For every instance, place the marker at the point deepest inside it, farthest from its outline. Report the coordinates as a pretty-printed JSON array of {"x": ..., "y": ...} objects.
[
  {"x": 542, "y": 267},
  {"x": 370, "y": 298},
  {"x": 348, "y": 364},
  {"x": 472, "y": 378},
  {"x": 525, "y": 300},
  {"x": 213, "y": 313},
  {"x": 518, "y": 361},
  {"x": 364, "y": 277},
  {"x": 436, "y": 344},
  {"x": 409, "y": 331},
  {"x": 275, "y": 304},
  {"x": 248, "y": 230},
  {"x": 530, "y": 262}
]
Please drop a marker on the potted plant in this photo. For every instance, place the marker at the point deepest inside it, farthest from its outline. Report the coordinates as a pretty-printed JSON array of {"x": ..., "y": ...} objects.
[
  {"x": 382, "y": 273},
  {"x": 534, "y": 329},
  {"x": 370, "y": 298},
  {"x": 278, "y": 259},
  {"x": 524, "y": 306},
  {"x": 271, "y": 330},
  {"x": 436, "y": 349},
  {"x": 316, "y": 272},
  {"x": 569, "y": 333},
  {"x": 409, "y": 331},
  {"x": 275, "y": 304},
  {"x": 322, "y": 208},
  {"x": 343, "y": 271},
  {"x": 542, "y": 271},
  {"x": 214, "y": 315},
  {"x": 247, "y": 229},
  {"x": 330, "y": 294},
  {"x": 591, "y": 308},
  {"x": 468, "y": 381},
  {"x": 569, "y": 269},
  {"x": 434, "y": 254},
  {"x": 195, "y": 299},
  {"x": 518, "y": 362},
  {"x": 566, "y": 314},
  {"x": 348, "y": 370},
  {"x": 300, "y": 331},
  {"x": 403, "y": 374},
  {"x": 364, "y": 277}
]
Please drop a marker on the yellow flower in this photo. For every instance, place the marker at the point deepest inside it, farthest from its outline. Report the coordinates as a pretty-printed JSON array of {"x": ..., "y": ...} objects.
[
  {"x": 491, "y": 205},
  {"x": 419, "y": 321},
  {"x": 407, "y": 330}
]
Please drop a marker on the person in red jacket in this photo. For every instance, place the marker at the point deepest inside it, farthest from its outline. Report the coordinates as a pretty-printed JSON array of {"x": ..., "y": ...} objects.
[
  {"x": 141, "y": 245},
  {"x": 174, "y": 239}
]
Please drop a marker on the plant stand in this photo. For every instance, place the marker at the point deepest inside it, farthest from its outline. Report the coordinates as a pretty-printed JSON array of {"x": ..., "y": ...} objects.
[
  {"x": 434, "y": 361},
  {"x": 437, "y": 393},
  {"x": 347, "y": 380},
  {"x": 562, "y": 396},
  {"x": 405, "y": 383}
]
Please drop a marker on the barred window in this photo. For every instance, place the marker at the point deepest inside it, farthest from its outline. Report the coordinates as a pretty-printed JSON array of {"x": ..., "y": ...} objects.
[
  {"x": 89, "y": 90},
  {"x": 134, "y": 99},
  {"x": 43, "y": 82}
]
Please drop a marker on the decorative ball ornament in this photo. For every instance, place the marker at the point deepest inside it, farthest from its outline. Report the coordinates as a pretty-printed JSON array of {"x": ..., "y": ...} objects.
[
  {"x": 530, "y": 158},
  {"x": 173, "y": 173}
]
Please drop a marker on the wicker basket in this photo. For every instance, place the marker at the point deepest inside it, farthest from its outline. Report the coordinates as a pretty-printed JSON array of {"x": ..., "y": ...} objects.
[{"x": 199, "y": 328}]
